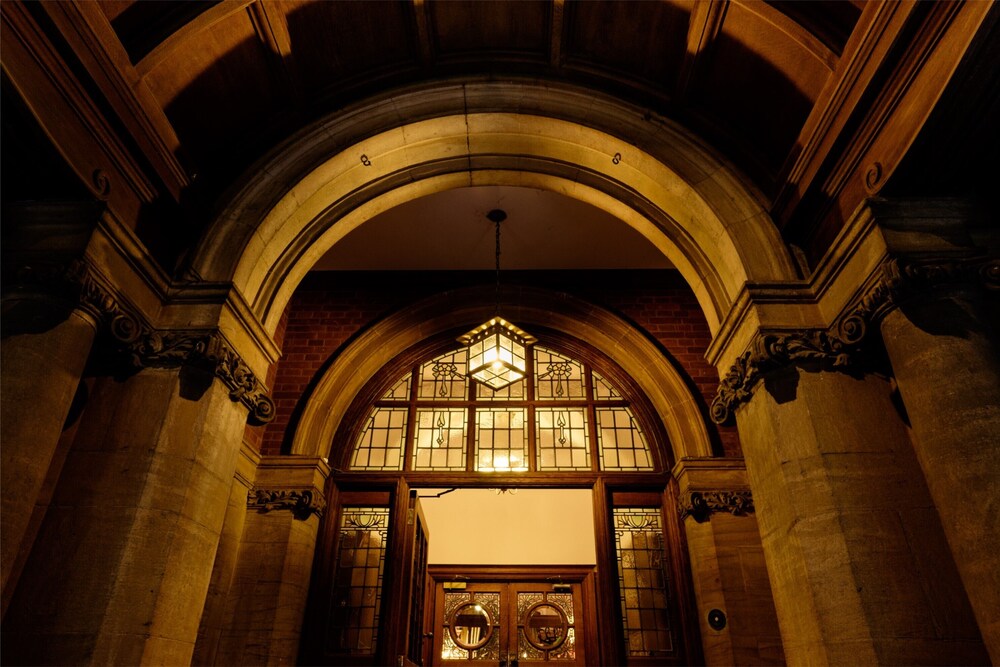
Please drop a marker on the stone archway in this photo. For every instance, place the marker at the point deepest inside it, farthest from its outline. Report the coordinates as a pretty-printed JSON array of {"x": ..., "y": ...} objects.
[
  {"x": 342, "y": 171},
  {"x": 638, "y": 356}
]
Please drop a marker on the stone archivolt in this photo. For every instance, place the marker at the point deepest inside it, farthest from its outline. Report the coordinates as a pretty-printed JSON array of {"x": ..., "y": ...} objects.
[
  {"x": 147, "y": 347},
  {"x": 302, "y": 502},
  {"x": 700, "y": 504},
  {"x": 898, "y": 281}
]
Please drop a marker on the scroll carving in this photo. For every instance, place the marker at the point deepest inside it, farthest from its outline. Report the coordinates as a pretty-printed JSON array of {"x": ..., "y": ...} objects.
[
  {"x": 146, "y": 347},
  {"x": 301, "y": 502},
  {"x": 700, "y": 504},
  {"x": 898, "y": 281}
]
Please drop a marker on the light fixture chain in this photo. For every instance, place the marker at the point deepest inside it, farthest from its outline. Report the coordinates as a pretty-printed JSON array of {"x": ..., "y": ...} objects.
[{"x": 497, "y": 225}]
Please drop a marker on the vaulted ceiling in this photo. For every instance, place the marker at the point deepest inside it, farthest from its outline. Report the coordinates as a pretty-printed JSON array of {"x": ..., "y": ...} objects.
[{"x": 818, "y": 104}]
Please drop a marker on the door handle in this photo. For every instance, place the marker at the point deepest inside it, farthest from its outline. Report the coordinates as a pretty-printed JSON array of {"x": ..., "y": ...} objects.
[{"x": 507, "y": 661}]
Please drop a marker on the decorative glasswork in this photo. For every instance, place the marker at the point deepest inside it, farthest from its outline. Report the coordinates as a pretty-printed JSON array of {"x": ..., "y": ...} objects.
[
  {"x": 557, "y": 377},
  {"x": 561, "y": 439},
  {"x": 501, "y": 440},
  {"x": 603, "y": 391},
  {"x": 497, "y": 352},
  {"x": 440, "y": 439},
  {"x": 620, "y": 442},
  {"x": 443, "y": 378},
  {"x": 357, "y": 589},
  {"x": 380, "y": 446},
  {"x": 642, "y": 581},
  {"x": 555, "y": 413},
  {"x": 545, "y": 626},
  {"x": 399, "y": 391}
]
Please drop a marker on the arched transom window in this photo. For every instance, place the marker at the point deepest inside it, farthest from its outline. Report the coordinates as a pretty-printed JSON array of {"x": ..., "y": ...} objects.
[{"x": 564, "y": 415}]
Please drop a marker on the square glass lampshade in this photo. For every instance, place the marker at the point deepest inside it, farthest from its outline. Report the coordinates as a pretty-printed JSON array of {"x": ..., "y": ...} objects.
[{"x": 496, "y": 352}]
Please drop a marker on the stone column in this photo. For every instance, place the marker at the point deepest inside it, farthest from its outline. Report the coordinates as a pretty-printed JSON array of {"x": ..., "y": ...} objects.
[
  {"x": 854, "y": 547},
  {"x": 727, "y": 564},
  {"x": 213, "y": 617},
  {"x": 267, "y": 599},
  {"x": 122, "y": 562},
  {"x": 45, "y": 345},
  {"x": 39, "y": 376},
  {"x": 945, "y": 360}
]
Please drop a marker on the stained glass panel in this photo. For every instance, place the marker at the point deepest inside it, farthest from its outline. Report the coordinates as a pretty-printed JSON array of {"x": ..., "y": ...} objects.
[
  {"x": 380, "y": 446},
  {"x": 440, "y": 439},
  {"x": 561, "y": 439},
  {"x": 501, "y": 440},
  {"x": 357, "y": 589},
  {"x": 642, "y": 581},
  {"x": 557, "y": 377},
  {"x": 620, "y": 442},
  {"x": 603, "y": 390},
  {"x": 399, "y": 391},
  {"x": 444, "y": 379}
]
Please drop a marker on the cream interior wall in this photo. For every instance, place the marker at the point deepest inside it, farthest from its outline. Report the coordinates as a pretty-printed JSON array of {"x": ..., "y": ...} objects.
[{"x": 531, "y": 527}]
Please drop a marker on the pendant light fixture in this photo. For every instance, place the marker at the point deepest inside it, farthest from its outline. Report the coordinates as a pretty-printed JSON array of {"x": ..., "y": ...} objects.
[{"x": 497, "y": 355}]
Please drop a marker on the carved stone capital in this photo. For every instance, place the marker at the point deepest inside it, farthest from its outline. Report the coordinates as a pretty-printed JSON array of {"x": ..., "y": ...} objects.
[
  {"x": 301, "y": 502},
  {"x": 769, "y": 352},
  {"x": 147, "y": 347},
  {"x": 700, "y": 504},
  {"x": 897, "y": 282},
  {"x": 901, "y": 280}
]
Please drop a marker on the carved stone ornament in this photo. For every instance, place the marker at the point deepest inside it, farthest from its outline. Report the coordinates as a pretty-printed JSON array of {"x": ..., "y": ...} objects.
[
  {"x": 700, "y": 504},
  {"x": 146, "y": 347},
  {"x": 302, "y": 502},
  {"x": 769, "y": 352},
  {"x": 898, "y": 281}
]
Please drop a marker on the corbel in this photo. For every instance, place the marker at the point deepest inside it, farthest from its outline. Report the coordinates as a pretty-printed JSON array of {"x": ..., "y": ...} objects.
[
  {"x": 699, "y": 505},
  {"x": 302, "y": 503}
]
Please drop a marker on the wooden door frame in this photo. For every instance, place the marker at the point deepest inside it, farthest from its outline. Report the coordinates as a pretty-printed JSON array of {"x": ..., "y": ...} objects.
[{"x": 584, "y": 575}]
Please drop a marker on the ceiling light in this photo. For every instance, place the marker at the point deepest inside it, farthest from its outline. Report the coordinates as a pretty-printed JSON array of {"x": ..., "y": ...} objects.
[{"x": 497, "y": 348}]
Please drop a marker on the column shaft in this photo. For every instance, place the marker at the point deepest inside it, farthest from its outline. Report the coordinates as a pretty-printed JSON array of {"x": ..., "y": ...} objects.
[
  {"x": 123, "y": 559},
  {"x": 946, "y": 365},
  {"x": 40, "y": 375},
  {"x": 853, "y": 543}
]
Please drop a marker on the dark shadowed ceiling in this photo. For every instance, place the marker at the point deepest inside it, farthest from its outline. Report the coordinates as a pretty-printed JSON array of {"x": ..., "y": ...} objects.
[{"x": 784, "y": 91}]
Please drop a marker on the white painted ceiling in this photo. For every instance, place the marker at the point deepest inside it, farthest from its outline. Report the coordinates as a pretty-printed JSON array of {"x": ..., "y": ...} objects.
[{"x": 450, "y": 231}]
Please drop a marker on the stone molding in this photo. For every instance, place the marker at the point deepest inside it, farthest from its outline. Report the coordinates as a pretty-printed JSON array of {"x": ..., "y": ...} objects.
[
  {"x": 699, "y": 505},
  {"x": 148, "y": 347},
  {"x": 303, "y": 503},
  {"x": 897, "y": 282}
]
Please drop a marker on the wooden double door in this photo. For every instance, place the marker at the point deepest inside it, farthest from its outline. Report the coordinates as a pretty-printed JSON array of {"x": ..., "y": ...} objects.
[{"x": 534, "y": 618}]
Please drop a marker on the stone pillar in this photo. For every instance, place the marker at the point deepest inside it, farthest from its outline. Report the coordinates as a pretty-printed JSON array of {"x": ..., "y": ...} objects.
[
  {"x": 45, "y": 345},
  {"x": 122, "y": 562},
  {"x": 39, "y": 376},
  {"x": 854, "y": 547},
  {"x": 727, "y": 564},
  {"x": 213, "y": 618},
  {"x": 267, "y": 599},
  {"x": 945, "y": 360}
]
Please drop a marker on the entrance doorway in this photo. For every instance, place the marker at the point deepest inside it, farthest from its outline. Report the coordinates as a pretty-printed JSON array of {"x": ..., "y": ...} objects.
[{"x": 511, "y": 617}]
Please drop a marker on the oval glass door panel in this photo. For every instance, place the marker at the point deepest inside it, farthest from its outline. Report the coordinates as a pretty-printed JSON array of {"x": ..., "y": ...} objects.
[
  {"x": 471, "y": 626},
  {"x": 545, "y": 626}
]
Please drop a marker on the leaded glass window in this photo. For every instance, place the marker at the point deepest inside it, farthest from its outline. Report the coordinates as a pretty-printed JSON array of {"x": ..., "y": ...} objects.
[
  {"x": 564, "y": 415},
  {"x": 357, "y": 583},
  {"x": 642, "y": 581}
]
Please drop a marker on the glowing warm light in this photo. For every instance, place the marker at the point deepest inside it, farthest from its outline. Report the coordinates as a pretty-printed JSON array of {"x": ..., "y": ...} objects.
[{"x": 497, "y": 352}]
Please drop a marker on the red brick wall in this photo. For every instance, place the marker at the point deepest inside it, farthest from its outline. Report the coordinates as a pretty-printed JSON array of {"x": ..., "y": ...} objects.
[{"x": 328, "y": 308}]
